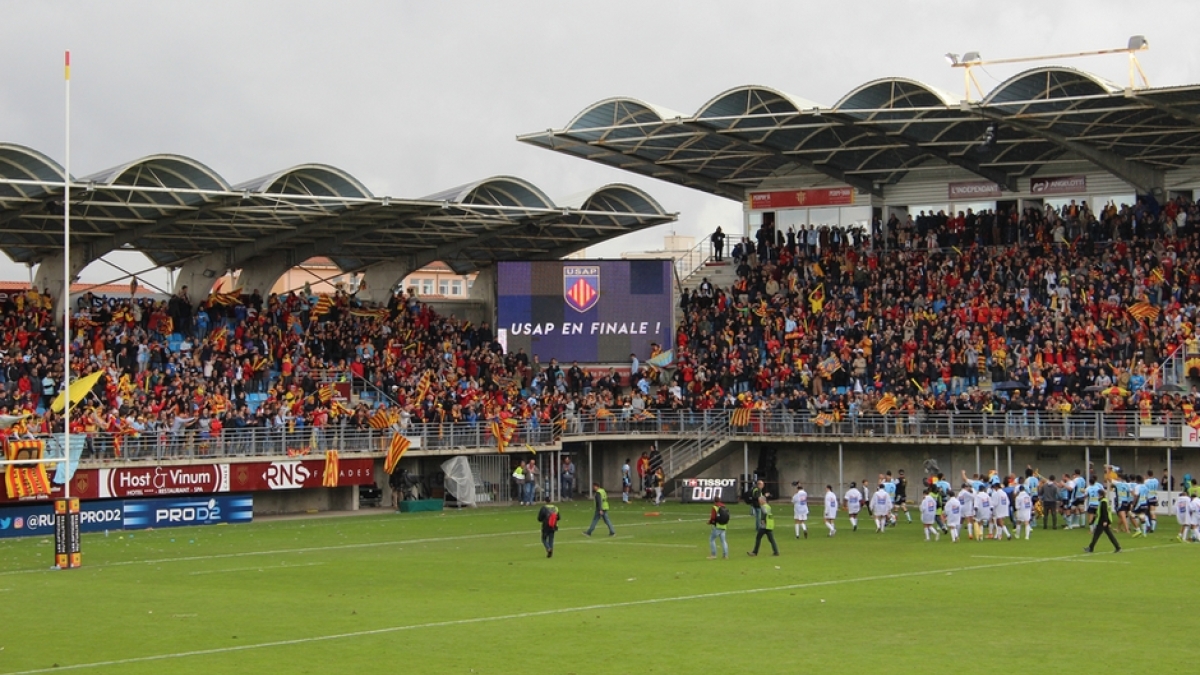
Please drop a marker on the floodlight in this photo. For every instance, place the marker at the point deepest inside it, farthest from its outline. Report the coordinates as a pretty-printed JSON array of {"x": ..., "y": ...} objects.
[
  {"x": 971, "y": 57},
  {"x": 1138, "y": 43},
  {"x": 951, "y": 58}
]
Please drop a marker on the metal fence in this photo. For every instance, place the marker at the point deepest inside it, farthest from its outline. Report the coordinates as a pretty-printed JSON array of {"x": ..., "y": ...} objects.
[
  {"x": 1082, "y": 426},
  {"x": 186, "y": 444},
  {"x": 700, "y": 429}
]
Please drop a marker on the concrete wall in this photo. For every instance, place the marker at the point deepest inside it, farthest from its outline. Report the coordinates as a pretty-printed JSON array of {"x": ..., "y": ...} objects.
[
  {"x": 816, "y": 464},
  {"x": 269, "y": 503}
]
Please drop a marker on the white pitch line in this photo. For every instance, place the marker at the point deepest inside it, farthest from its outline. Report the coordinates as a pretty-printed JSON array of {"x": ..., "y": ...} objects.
[
  {"x": 584, "y": 541},
  {"x": 540, "y": 613},
  {"x": 318, "y": 549},
  {"x": 267, "y": 568}
]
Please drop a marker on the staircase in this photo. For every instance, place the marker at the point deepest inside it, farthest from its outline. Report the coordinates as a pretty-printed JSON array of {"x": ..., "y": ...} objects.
[{"x": 702, "y": 447}]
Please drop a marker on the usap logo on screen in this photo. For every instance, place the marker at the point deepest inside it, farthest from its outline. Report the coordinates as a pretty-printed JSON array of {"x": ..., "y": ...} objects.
[{"x": 581, "y": 286}]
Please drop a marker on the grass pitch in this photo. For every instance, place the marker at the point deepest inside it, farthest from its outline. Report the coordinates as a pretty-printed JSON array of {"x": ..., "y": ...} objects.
[{"x": 472, "y": 592}]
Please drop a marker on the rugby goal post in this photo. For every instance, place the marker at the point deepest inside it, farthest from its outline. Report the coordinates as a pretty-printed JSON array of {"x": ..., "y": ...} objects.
[{"x": 25, "y": 475}]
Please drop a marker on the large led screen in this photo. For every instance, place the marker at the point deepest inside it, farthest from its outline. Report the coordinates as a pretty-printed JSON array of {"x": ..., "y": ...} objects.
[{"x": 591, "y": 311}]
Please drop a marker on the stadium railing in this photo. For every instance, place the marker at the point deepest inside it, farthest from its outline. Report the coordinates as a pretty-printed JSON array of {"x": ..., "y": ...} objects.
[
  {"x": 1082, "y": 427},
  {"x": 1023, "y": 426}
]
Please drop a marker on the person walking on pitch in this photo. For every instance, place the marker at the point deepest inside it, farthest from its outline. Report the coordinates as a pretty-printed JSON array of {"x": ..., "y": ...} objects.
[
  {"x": 548, "y": 517},
  {"x": 601, "y": 497},
  {"x": 766, "y": 528},
  {"x": 719, "y": 519},
  {"x": 1103, "y": 525}
]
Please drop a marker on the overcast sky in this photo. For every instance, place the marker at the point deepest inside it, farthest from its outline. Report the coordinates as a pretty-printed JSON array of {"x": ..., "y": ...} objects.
[{"x": 417, "y": 97}]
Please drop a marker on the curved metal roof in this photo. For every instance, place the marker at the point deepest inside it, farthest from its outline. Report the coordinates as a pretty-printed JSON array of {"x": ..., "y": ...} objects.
[
  {"x": 883, "y": 130},
  {"x": 174, "y": 208}
]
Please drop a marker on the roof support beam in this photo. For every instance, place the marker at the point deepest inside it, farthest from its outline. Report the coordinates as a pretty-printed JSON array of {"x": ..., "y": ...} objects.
[
  {"x": 1001, "y": 178},
  {"x": 832, "y": 172},
  {"x": 1144, "y": 178},
  {"x": 1167, "y": 108},
  {"x": 561, "y": 143}
]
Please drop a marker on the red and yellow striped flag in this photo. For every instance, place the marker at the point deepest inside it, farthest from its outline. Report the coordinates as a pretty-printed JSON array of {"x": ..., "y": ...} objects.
[
  {"x": 24, "y": 480},
  {"x": 823, "y": 419},
  {"x": 396, "y": 450},
  {"x": 504, "y": 430},
  {"x": 886, "y": 403},
  {"x": 424, "y": 385},
  {"x": 382, "y": 419},
  {"x": 324, "y": 304},
  {"x": 1144, "y": 311},
  {"x": 330, "y": 477},
  {"x": 739, "y": 417},
  {"x": 325, "y": 393}
]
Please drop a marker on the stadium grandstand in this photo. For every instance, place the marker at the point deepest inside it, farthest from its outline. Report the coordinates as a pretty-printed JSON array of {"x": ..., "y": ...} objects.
[{"x": 1017, "y": 272}]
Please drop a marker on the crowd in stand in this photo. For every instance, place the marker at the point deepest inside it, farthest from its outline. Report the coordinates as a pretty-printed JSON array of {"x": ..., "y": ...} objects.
[
  {"x": 1058, "y": 311},
  {"x": 1062, "y": 311}
]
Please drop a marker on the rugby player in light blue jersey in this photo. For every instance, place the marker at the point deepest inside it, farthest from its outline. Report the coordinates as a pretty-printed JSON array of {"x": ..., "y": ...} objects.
[
  {"x": 1152, "y": 486},
  {"x": 1093, "y": 493}
]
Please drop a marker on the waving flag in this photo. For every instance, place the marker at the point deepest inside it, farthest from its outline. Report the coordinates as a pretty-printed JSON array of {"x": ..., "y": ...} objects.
[
  {"x": 382, "y": 419},
  {"x": 1144, "y": 311},
  {"x": 330, "y": 477},
  {"x": 396, "y": 449},
  {"x": 886, "y": 403},
  {"x": 504, "y": 430},
  {"x": 740, "y": 417}
]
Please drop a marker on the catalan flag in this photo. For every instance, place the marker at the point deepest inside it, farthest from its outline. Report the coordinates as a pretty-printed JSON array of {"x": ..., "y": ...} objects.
[
  {"x": 740, "y": 417},
  {"x": 330, "y": 477},
  {"x": 886, "y": 404},
  {"x": 336, "y": 408},
  {"x": 325, "y": 393},
  {"x": 1144, "y": 311},
  {"x": 26, "y": 480},
  {"x": 231, "y": 298},
  {"x": 504, "y": 429},
  {"x": 380, "y": 314},
  {"x": 324, "y": 304},
  {"x": 382, "y": 419},
  {"x": 1158, "y": 275},
  {"x": 424, "y": 385},
  {"x": 1194, "y": 422},
  {"x": 219, "y": 337},
  {"x": 396, "y": 449},
  {"x": 823, "y": 419}
]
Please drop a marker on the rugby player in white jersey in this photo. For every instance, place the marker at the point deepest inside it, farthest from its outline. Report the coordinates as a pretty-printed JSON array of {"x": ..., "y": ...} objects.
[
  {"x": 1194, "y": 516},
  {"x": 1000, "y": 511},
  {"x": 954, "y": 514},
  {"x": 966, "y": 498},
  {"x": 831, "y": 509},
  {"x": 881, "y": 508},
  {"x": 983, "y": 513},
  {"x": 854, "y": 500},
  {"x": 929, "y": 515},
  {"x": 1024, "y": 511},
  {"x": 1183, "y": 516},
  {"x": 800, "y": 510}
]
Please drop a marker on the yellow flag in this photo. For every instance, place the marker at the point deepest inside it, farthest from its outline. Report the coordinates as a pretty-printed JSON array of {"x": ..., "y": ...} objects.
[{"x": 78, "y": 389}]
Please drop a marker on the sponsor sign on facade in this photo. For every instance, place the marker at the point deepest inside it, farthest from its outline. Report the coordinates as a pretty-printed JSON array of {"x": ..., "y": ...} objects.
[
  {"x": 1058, "y": 185},
  {"x": 798, "y": 199},
  {"x": 970, "y": 190}
]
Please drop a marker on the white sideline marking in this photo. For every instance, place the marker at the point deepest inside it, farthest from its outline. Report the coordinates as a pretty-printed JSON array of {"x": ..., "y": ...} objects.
[
  {"x": 546, "y": 612},
  {"x": 318, "y": 549},
  {"x": 266, "y": 568}
]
